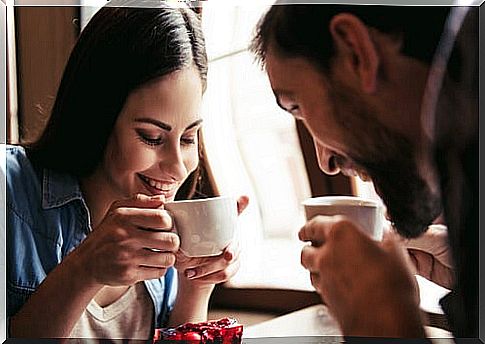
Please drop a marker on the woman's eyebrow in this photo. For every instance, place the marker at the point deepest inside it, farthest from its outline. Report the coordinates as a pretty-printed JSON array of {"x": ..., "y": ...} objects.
[
  {"x": 158, "y": 123},
  {"x": 164, "y": 125},
  {"x": 196, "y": 123}
]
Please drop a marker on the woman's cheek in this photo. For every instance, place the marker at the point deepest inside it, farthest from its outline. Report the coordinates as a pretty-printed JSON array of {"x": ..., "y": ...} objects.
[{"x": 192, "y": 160}]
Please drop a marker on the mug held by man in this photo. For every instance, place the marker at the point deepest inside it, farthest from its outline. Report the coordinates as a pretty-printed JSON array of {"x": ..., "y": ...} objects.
[
  {"x": 365, "y": 213},
  {"x": 205, "y": 226}
]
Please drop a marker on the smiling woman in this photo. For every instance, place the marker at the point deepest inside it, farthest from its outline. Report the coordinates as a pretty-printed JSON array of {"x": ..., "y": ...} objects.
[
  {"x": 153, "y": 146},
  {"x": 90, "y": 248}
]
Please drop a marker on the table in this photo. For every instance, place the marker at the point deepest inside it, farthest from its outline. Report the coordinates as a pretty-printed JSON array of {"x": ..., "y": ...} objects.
[{"x": 313, "y": 324}]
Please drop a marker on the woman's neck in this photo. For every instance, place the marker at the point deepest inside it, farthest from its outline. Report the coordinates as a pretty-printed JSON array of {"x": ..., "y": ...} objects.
[{"x": 97, "y": 196}]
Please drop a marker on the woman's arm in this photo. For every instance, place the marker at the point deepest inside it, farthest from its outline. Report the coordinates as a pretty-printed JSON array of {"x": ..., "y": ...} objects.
[
  {"x": 53, "y": 310},
  {"x": 198, "y": 276},
  {"x": 191, "y": 304},
  {"x": 114, "y": 254}
]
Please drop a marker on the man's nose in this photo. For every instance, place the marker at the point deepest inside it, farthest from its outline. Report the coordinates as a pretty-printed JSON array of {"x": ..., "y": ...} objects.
[{"x": 326, "y": 159}]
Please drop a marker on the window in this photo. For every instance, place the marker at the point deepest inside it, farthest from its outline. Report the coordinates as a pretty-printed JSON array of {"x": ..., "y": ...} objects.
[{"x": 253, "y": 149}]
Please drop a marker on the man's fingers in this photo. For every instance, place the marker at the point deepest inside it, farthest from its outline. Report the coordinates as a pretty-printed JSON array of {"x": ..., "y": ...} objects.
[
  {"x": 308, "y": 258},
  {"x": 316, "y": 230},
  {"x": 315, "y": 279}
]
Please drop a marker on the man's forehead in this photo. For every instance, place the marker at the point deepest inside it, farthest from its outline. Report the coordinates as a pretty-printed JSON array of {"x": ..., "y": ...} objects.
[
  {"x": 290, "y": 76},
  {"x": 275, "y": 60}
]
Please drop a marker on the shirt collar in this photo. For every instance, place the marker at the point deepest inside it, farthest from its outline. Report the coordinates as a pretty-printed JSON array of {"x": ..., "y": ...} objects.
[{"x": 59, "y": 189}]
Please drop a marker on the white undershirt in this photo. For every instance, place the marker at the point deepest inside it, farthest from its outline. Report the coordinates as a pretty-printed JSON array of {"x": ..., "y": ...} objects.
[{"x": 129, "y": 317}]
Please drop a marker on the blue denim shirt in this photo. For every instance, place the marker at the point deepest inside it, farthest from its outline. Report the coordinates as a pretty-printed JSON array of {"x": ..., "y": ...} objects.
[{"x": 46, "y": 219}]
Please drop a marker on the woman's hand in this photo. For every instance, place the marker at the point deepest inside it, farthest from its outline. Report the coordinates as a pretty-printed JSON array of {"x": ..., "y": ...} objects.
[
  {"x": 198, "y": 276},
  {"x": 207, "y": 271},
  {"x": 132, "y": 243},
  {"x": 212, "y": 270}
]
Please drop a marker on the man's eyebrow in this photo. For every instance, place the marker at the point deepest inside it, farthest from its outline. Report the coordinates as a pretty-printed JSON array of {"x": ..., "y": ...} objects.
[{"x": 153, "y": 121}]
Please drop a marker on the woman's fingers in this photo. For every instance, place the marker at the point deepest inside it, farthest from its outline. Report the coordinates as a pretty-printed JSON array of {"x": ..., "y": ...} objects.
[
  {"x": 161, "y": 241},
  {"x": 219, "y": 276},
  {"x": 157, "y": 219},
  {"x": 139, "y": 201},
  {"x": 184, "y": 262},
  {"x": 198, "y": 267},
  {"x": 149, "y": 258},
  {"x": 148, "y": 273},
  {"x": 242, "y": 204}
]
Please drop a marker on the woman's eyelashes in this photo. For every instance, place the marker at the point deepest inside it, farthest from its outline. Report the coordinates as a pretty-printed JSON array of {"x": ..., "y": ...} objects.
[
  {"x": 152, "y": 140},
  {"x": 189, "y": 140},
  {"x": 148, "y": 139}
]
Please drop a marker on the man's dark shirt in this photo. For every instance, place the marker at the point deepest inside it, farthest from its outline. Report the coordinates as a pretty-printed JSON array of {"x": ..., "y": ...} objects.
[{"x": 457, "y": 158}]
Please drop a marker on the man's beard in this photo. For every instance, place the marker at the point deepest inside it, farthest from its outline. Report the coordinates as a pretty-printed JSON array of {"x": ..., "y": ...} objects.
[
  {"x": 410, "y": 203},
  {"x": 389, "y": 159}
]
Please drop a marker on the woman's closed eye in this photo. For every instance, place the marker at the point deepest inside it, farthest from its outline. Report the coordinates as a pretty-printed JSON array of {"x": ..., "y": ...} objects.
[
  {"x": 189, "y": 140},
  {"x": 149, "y": 139}
]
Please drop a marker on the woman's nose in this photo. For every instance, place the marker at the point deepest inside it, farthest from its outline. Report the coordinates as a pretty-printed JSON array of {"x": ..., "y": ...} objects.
[
  {"x": 172, "y": 163},
  {"x": 326, "y": 159}
]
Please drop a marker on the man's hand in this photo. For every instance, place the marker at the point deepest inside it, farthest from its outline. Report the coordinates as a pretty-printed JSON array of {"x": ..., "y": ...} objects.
[
  {"x": 367, "y": 285},
  {"x": 431, "y": 256}
]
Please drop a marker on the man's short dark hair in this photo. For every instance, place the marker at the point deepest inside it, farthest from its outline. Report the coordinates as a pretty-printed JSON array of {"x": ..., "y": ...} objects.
[{"x": 303, "y": 30}]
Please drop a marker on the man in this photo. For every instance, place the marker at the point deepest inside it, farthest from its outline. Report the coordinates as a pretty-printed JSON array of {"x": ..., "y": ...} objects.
[{"x": 356, "y": 76}]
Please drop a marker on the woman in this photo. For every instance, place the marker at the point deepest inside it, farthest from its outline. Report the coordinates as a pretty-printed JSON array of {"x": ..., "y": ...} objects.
[{"x": 90, "y": 252}]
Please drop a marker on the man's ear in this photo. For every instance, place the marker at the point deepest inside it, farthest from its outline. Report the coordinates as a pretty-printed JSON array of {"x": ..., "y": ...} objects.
[{"x": 354, "y": 45}]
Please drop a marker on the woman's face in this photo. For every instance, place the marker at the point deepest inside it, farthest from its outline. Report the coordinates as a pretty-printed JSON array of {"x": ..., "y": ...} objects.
[{"x": 154, "y": 146}]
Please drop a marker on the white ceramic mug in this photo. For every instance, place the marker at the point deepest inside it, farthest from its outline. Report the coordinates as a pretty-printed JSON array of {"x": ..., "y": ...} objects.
[
  {"x": 366, "y": 213},
  {"x": 205, "y": 226}
]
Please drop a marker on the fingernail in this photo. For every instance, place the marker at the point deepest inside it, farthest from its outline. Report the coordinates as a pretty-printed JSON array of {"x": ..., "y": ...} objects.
[
  {"x": 228, "y": 255},
  {"x": 189, "y": 273}
]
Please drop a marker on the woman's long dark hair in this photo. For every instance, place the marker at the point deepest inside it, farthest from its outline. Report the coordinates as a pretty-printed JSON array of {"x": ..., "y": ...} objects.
[{"x": 120, "y": 49}]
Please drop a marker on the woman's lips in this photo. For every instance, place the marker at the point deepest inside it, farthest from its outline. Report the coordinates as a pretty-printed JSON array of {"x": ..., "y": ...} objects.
[{"x": 158, "y": 187}]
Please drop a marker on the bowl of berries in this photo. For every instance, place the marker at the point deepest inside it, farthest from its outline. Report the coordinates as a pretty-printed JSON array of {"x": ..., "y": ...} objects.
[{"x": 222, "y": 331}]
